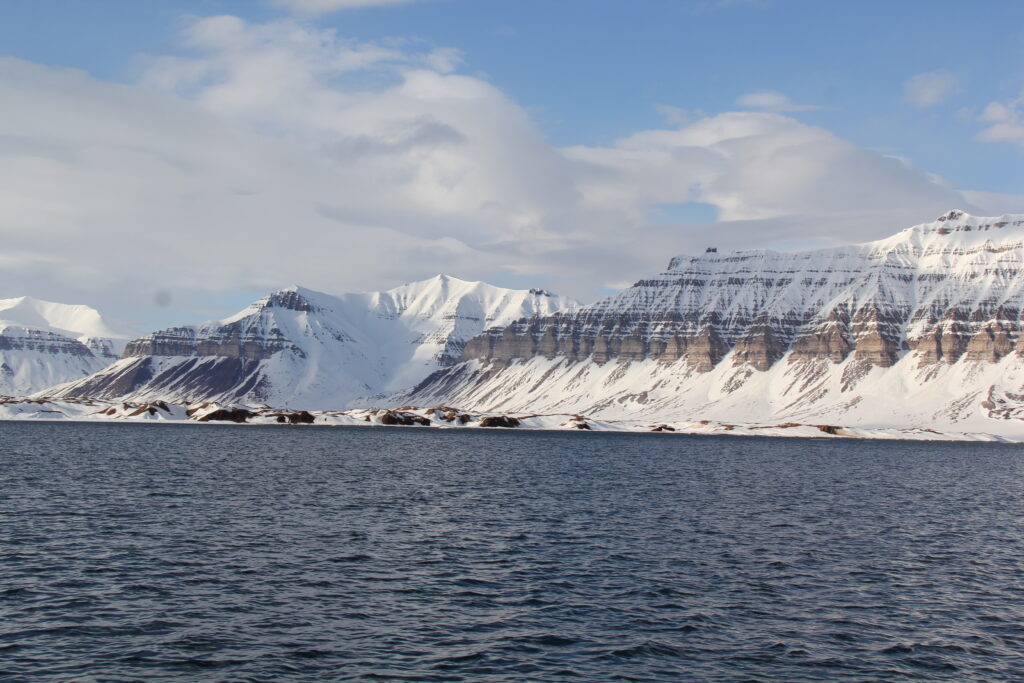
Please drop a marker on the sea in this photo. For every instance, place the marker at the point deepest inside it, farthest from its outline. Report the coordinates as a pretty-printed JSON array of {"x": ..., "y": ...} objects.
[{"x": 248, "y": 553}]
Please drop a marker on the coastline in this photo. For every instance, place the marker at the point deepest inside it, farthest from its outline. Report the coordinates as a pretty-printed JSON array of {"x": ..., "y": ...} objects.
[{"x": 443, "y": 417}]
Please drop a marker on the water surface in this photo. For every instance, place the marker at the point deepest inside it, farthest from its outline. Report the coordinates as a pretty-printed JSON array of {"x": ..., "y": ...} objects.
[{"x": 150, "y": 552}]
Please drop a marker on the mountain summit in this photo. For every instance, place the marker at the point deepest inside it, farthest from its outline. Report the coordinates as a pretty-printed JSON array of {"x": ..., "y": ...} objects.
[
  {"x": 303, "y": 348},
  {"x": 43, "y": 343},
  {"x": 923, "y": 328}
]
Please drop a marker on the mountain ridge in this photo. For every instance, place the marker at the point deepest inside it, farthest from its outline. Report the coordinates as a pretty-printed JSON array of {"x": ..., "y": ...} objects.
[
  {"x": 921, "y": 328},
  {"x": 757, "y": 334},
  {"x": 302, "y": 347},
  {"x": 43, "y": 343}
]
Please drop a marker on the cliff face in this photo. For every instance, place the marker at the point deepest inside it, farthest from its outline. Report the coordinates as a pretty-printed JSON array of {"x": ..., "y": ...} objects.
[
  {"x": 922, "y": 328},
  {"x": 43, "y": 343},
  {"x": 932, "y": 296},
  {"x": 302, "y": 348},
  {"x": 938, "y": 289},
  {"x": 32, "y": 358}
]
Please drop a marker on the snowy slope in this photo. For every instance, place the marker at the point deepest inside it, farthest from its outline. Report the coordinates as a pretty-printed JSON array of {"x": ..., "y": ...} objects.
[
  {"x": 923, "y": 328},
  {"x": 160, "y": 412},
  {"x": 67, "y": 319},
  {"x": 43, "y": 343},
  {"x": 306, "y": 349}
]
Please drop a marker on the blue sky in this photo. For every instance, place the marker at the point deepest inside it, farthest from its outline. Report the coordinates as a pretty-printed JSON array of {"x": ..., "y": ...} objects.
[
  {"x": 591, "y": 71},
  {"x": 936, "y": 85}
]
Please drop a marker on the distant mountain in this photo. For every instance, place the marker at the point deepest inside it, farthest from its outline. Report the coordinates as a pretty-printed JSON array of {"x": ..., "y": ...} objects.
[
  {"x": 306, "y": 349},
  {"x": 43, "y": 343},
  {"x": 922, "y": 328}
]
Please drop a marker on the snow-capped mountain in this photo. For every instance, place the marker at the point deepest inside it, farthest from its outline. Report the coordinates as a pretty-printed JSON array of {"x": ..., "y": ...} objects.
[
  {"x": 43, "y": 343},
  {"x": 306, "y": 349},
  {"x": 921, "y": 328}
]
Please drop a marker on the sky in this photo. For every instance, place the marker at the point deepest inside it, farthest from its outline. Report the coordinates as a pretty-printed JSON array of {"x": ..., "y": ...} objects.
[{"x": 169, "y": 162}]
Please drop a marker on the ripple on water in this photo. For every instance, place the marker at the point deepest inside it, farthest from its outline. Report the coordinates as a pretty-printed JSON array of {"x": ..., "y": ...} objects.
[{"x": 148, "y": 552}]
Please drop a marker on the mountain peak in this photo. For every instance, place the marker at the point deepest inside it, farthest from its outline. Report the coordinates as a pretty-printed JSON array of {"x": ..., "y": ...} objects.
[
  {"x": 446, "y": 279},
  {"x": 952, "y": 215},
  {"x": 956, "y": 225},
  {"x": 73, "y": 320},
  {"x": 292, "y": 299},
  {"x": 963, "y": 227}
]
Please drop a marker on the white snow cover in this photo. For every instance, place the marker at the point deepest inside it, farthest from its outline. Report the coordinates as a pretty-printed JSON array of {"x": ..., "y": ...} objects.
[
  {"x": 326, "y": 351},
  {"x": 958, "y": 260},
  {"x": 94, "y": 410},
  {"x": 76, "y": 321},
  {"x": 963, "y": 260},
  {"x": 43, "y": 343}
]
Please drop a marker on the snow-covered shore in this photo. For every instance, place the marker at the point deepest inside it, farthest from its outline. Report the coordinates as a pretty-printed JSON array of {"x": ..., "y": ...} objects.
[{"x": 443, "y": 417}]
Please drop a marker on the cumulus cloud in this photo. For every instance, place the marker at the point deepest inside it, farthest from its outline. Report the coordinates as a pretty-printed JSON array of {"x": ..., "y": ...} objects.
[
  {"x": 929, "y": 89},
  {"x": 753, "y": 166},
  {"x": 1004, "y": 121},
  {"x": 769, "y": 100},
  {"x": 278, "y": 153},
  {"x": 312, "y": 7}
]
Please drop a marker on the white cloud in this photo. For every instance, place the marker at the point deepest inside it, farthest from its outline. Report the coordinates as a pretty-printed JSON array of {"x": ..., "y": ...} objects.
[
  {"x": 313, "y": 7},
  {"x": 929, "y": 89},
  {"x": 675, "y": 116},
  {"x": 756, "y": 166},
  {"x": 769, "y": 100},
  {"x": 996, "y": 203},
  {"x": 1005, "y": 122},
  {"x": 279, "y": 153}
]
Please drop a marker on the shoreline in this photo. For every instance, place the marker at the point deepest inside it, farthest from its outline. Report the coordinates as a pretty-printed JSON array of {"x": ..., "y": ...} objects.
[{"x": 442, "y": 418}]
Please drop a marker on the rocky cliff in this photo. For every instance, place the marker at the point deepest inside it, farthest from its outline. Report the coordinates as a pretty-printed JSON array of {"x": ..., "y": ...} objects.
[
  {"x": 307, "y": 349},
  {"x": 758, "y": 333},
  {"x": 43, "y": 343}
]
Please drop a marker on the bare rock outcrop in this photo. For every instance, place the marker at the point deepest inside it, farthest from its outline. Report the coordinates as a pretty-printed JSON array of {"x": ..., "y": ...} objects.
[{"x": 948, "y": 290}]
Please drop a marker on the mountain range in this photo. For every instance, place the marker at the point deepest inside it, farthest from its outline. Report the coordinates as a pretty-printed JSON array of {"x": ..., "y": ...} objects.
[
  {"x": 922, "y": 328},
  {"x": 306, "y": 349},
  {"x": 43, "y": 343}
]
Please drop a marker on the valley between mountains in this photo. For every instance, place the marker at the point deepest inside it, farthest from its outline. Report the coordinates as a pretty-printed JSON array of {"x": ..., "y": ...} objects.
[{"x": 915, "y": 334}]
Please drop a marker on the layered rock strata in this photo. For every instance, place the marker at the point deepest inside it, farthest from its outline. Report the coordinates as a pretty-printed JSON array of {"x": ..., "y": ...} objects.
[
  {"x": 942, "y": 290},
  {"x": 302, "y": 348}
]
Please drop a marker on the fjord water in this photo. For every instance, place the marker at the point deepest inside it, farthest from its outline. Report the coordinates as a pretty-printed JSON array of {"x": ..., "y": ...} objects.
[{"x": 148, "y": 552}]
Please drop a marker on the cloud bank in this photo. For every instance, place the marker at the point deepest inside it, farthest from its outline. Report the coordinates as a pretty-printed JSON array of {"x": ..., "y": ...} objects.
[{"x": 277, "y": 153}]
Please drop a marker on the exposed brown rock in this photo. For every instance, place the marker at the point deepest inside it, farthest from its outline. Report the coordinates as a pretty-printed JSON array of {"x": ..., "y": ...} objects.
[
  {"x": 499, "y": 421},
  {"x": 227, "y": 415},
  {"x": 759, "y": 347},
  {"x": 828, "y": 339},
  {"x": 391, "y": 417},
  {"x": 293, "y": 417},
  {"x": 877, "y": 337},
  {"x": 993, "y": 341},
  {"x": 705, "y": 350}
]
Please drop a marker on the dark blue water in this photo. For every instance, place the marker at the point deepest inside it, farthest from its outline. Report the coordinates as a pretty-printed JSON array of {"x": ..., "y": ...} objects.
[{"x": 246, "y": 553}]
